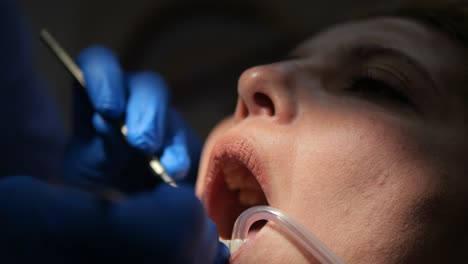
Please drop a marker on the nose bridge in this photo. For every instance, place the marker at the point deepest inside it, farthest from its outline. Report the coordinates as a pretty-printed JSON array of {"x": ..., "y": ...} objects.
[{"x": 268, "y": 91}]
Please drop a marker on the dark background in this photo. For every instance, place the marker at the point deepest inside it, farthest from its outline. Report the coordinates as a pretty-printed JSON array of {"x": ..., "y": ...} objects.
[{"x": 200, "y": 47}]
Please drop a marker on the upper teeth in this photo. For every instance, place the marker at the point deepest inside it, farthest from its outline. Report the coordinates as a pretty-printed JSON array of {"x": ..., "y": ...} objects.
[
  {"x": 234, "y": 176},
  {"x": 238, "y": 178}
]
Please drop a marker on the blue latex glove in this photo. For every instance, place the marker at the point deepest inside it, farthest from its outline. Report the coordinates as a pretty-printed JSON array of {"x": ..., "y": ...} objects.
[
  {"x": 98, "y": 154},
  {"x": 40, "y": 223},
  {"x": 43, "y": 223}
]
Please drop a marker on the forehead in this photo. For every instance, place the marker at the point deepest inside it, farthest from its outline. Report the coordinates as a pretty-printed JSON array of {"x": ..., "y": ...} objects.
[{"x": 443, "y": 57}]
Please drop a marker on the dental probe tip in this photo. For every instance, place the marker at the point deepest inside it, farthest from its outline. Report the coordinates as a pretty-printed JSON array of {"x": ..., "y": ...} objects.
[{"x": 156, "y": 167}]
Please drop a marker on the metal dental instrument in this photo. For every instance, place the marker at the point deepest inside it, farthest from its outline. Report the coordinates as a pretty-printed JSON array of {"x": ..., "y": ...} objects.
[{"x": 156, "y": 167}]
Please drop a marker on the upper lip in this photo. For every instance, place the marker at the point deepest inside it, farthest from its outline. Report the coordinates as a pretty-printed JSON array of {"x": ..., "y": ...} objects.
[{"x": 227, "y": 149}]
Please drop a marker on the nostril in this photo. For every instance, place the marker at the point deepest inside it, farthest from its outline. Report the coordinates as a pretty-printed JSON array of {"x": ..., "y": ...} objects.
[{"x": 264, "y": 103}]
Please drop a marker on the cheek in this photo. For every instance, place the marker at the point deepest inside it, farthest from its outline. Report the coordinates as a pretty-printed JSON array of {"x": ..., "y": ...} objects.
[
  {"x": 356, "y": 157},
  {"x": 362, "y": 180}
]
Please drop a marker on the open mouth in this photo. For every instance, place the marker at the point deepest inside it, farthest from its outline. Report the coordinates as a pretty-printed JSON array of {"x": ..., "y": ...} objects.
[{"x": 234, "y": 184}]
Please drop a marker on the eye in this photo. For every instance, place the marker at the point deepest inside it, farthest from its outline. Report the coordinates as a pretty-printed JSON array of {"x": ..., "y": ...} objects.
[{"x": 375, "y": 84}]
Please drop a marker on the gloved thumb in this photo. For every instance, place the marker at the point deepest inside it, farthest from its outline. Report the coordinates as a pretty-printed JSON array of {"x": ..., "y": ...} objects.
[{"x": 210, "y": 249}]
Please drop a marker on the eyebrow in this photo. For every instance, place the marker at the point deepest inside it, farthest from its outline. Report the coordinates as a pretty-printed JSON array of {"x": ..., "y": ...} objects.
[{"x": 363, "y": 52}]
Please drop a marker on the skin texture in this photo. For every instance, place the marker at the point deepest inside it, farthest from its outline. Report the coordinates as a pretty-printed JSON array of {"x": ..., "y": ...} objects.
[{"x": 376, "y": 178}]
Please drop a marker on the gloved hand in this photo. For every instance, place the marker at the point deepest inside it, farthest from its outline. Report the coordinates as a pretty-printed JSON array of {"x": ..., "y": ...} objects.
[
  {"x": 57, "y": 224},
  {"x": 41, "y": 223},
  {"x": 98, "y": 155},
  {"x": 153, "y": 222}
]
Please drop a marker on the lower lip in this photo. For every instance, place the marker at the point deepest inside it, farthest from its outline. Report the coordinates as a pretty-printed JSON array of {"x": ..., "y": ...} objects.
[{"x": 247, "y": 245}]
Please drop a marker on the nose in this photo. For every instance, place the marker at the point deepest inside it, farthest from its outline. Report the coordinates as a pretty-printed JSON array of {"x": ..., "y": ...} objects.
[{"x": 267, "y": 91}]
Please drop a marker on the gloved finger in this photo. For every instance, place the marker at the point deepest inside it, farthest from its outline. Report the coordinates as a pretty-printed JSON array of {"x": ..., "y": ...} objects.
[
  {"x": 95, "y": 162},
  {"x": 104, "y": 80},
  {"x": 62, "y": 224},
  {"x": 57, "y": 224},
  {"x": 107, "y": 130},
  {"x": 206, "y": 249},
  {"x": 97, "y": 158},
  {"x": 222, "y": 254},
  {"x": 210, "y": 248},
  {"x": 175, "y": 157},
  {"x": 105, "y": 159},
  {"x": 147, "y": 107},
  {"x": 165, "y": 225}
]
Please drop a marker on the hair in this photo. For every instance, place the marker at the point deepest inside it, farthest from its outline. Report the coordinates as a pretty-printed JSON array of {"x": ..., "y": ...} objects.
[{"x": 450, "y": 16}]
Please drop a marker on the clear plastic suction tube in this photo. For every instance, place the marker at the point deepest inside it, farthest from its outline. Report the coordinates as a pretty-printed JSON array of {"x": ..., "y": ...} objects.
[{"x": 293, "y": 229}]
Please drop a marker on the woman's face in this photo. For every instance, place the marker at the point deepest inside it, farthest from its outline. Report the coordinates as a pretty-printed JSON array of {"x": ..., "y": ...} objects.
[{"x": 360, "y": 136}]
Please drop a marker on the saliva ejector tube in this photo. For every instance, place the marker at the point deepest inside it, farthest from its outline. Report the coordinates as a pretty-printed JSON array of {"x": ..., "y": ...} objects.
[{"x": 289, "y": 226}]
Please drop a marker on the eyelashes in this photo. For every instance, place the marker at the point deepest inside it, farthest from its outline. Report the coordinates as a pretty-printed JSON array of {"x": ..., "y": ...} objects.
[{"x": 380, "y": 86}]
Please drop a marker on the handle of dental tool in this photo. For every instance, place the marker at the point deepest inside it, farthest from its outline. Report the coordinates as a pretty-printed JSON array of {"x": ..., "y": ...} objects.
[
  {"x": 155, "y": 165},
  {"x": 288, "y": 225}
]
